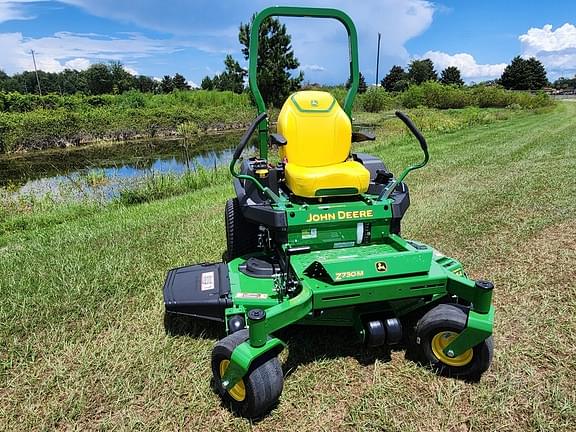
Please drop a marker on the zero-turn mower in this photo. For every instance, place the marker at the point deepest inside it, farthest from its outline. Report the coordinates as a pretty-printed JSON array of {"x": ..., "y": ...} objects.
[{"x": 315, "y": 240}]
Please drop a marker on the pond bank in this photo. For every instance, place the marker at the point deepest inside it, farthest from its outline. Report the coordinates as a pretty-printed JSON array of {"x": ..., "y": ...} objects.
[{"x": 149, "y": 169}]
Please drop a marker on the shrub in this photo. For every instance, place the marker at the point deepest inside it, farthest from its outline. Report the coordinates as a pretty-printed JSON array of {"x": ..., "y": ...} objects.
[{"x": 376, "y": 99}]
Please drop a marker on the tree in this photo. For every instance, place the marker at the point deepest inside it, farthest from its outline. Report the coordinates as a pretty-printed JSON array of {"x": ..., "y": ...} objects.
[
  {"x": 232, "y": 78},
  {"x": 538, "y": 77},
  {"x": 145, "y": 84},
  {"x": 420, "y": 71},
  {"x": 180, "y": 83},
  {"x": 72, "y": 81},
  {"x": 166, "y": 85},
  {"x": 275, "y": 60},
  {"x": 362, "y": 87},
  {"x": 98, "y": 79},
  {"x": 122, "y": 80},
  {"x": 207, "y": 83},
  {"x": 396, "y": 80},
  {"x": 451, "y": 76},
  {"x": 523, "y": 74},
  {"x": 4, "y": 78},
  {"x": 563, "y": 83}
]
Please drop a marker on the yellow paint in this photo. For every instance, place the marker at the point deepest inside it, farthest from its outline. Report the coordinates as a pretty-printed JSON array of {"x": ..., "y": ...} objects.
[
  {"x": 340, "y": 215},
  {"x": 319, "y": 139},
  {"x": 238, "y": 392},
  {"x": 442, "y": 340}
]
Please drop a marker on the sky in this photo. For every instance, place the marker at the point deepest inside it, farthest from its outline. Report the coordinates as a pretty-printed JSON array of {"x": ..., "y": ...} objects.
[{"x": 192, "y": 37}]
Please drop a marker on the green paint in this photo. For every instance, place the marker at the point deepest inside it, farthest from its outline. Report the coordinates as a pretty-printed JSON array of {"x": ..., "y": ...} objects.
[
  {"x": 313, "y": 110},
  {"x": 478, "y": 328}
]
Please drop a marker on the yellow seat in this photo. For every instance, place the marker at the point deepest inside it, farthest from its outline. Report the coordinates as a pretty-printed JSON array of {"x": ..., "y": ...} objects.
[{"x": 319, "y": 138}]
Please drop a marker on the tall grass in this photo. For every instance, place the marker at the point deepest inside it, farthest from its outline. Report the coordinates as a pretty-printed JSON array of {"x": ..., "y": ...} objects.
[
  {"x": 16, "y": 102},
  {"x": 38, "y": 122},
  {"x": 165, "y": 185}
]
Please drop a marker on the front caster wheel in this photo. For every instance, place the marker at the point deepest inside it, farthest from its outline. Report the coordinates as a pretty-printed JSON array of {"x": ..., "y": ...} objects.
[
  {"x": 259, "y": 390},
  {"x": 436, "y": 329}
]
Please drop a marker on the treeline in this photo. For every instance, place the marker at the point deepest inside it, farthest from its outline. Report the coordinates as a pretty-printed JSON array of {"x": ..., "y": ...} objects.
[
  {"x": 563, "y": 83},
  {"x": 520, "y": 74},
  {"x": 98, "y": 79}
]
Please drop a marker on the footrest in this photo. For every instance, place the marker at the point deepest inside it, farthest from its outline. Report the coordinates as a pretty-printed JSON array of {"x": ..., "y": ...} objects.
[{"x": 200, "y": 290}]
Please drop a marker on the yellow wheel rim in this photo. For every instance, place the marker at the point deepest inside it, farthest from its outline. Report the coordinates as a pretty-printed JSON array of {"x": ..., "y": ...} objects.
[
  {"x": 442, "y": 340},
  {"x": 238, "y": 392}
]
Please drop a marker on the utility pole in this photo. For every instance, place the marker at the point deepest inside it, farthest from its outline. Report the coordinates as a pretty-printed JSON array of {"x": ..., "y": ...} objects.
[
  {"x": 36, "y": 70},
  {"x": 378, "y": 58}
]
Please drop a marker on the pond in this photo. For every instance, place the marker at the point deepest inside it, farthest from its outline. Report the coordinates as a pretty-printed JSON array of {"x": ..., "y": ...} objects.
[{"x": 103, "y": 170}]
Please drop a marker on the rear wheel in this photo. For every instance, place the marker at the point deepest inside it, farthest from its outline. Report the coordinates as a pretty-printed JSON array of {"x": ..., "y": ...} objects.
[
  {"x": 241, "y": 235},
  {"x": 436, "y": 329},
  {"x": 258, "y": 391}
]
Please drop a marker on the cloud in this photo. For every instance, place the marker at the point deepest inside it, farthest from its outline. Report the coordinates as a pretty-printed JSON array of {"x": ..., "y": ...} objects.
[
  {"x": 131, "y": 70},
  {"x": 214, "y": 26},
  {"x": 77, "y": 63},
  {"x": 467, "y": 64},
  {"x": 313, "y": 67},
  {"x": 14, "y": 10},
  {"x": 555, "y": 48},
  {"x": 73, "y": 50}
]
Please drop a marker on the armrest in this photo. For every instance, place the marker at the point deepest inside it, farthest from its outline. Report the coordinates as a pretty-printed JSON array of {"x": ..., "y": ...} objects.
[
  {"x": 278, "y": 139},
  {"x": 363, "y": 136}
]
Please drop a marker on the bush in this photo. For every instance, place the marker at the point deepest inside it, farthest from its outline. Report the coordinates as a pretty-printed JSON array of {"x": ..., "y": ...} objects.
[
  {"x": 435, "y": 95},
  {"x": 376, "y": 99},
  {"x": 34, "y": 122}
]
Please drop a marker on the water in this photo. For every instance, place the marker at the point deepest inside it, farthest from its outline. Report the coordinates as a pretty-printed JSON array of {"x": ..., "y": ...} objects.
[{"x": 104, "y": 170}]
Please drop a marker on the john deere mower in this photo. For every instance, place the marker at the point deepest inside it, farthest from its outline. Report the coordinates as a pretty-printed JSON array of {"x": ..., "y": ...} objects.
[{"x": 315, "y": 240}]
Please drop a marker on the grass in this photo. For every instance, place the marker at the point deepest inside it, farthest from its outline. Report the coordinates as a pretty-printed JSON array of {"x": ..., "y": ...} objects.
[{"x": 83, "y": 347}]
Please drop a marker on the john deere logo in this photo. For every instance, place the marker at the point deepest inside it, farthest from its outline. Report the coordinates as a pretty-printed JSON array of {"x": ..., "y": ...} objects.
[
  {"x": 381, "y": 266},
  {"x": 314, "y": 102}
]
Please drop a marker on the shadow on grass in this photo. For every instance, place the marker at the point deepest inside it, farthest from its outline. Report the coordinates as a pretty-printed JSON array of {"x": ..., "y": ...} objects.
[
  {"x": 307, "y": 344},
  {"x": 184, "y": 325}
]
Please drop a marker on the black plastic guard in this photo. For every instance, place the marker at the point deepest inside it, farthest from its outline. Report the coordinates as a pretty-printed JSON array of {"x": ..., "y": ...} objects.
[{"x": 200, "y": 290}]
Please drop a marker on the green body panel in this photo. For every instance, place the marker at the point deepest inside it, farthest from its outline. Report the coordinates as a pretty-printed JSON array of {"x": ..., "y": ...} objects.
[
  {"x": 322, "y": 226},
  {"x": 288, "y": 11},
  {"x": 366, "y": 263}
]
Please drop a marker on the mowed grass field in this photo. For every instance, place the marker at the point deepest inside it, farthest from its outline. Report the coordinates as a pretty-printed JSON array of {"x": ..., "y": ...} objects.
[{"x": 82, "y": 343}]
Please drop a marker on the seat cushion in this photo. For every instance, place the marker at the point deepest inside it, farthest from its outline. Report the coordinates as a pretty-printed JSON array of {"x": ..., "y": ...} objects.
[
  {"x": 346, "y": 178},
  {"x": 318, "y": 131}
]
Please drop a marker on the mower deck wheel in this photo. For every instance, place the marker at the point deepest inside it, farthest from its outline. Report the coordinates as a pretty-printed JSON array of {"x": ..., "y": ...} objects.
[
  {"x": 434, "y": 332},
  {"x": 259, "y": 389}
]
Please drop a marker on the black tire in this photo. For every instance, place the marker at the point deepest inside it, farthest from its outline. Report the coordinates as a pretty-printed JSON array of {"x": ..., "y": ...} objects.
[
  {"x": 445, "y": 321},
  {"x": 263, "y": 383},
  {"x": 241, "y": 235}
]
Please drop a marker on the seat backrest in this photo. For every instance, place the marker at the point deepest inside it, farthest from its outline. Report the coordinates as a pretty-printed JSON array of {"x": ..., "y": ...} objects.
[{"x": 318, "y": 131}]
